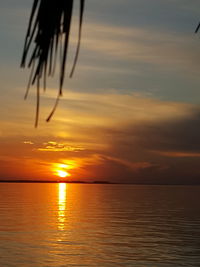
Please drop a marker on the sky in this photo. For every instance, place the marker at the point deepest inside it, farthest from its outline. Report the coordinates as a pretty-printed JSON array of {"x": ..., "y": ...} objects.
[{"x": 131, "y": 112}]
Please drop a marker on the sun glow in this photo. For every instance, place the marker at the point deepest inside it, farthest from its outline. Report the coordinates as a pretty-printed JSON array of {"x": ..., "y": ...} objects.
[
  {"x": 62, "y": 173},
  {"x": 63, "y": 169}
]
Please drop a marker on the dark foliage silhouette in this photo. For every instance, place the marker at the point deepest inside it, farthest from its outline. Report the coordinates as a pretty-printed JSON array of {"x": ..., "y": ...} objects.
[
  {"x": 197, "y": 29},
  {"x": 48, "y": 31}
]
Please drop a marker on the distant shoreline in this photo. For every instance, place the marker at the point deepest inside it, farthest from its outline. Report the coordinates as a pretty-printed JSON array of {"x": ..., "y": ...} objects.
[
  {"x": 56, "y": 181},
  {"x": 93, "y": 182}
]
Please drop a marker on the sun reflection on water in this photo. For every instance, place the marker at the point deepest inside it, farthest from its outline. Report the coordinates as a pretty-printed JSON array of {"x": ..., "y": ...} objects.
[{"x": 62, "y": 193}]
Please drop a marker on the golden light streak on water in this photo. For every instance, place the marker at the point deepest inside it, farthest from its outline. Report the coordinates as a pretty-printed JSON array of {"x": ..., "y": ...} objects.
[{"x": 62, "y": 193}]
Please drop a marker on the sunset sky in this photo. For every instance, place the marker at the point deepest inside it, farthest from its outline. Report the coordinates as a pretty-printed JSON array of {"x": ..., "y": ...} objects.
[{"x": 131, "y": 112}]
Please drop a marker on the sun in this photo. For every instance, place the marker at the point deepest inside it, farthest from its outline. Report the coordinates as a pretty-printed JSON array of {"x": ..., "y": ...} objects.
[
  {"x": 62, "y": 173},
  {"x": 63, "y": 169}
]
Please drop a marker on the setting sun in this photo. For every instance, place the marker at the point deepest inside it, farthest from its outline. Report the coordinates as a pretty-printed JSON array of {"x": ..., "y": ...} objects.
[
  {"x": 61, "y": 169},
  {"x": 62, "y": 173}
]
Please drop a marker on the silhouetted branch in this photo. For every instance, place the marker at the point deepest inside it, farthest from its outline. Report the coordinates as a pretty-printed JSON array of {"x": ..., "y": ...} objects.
[
  {"x": 197, "y": 28},
  {"x": 49, "y": 27}
]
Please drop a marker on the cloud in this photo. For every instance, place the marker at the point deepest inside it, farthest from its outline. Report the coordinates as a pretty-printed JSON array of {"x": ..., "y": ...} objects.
[
  {"x": 52, "y": 146},
  {"x": 114, "y": 107},
  {"x": 28, "y": 143},
  {"x": 177, "y": 154},
  {"x": 169, "y": 50},
  {"x": 164, "y": 151}
]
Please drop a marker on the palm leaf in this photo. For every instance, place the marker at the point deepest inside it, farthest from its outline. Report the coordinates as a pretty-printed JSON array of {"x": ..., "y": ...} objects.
[
  {"x": 198, "y": 27},
  {"x": 49, "y": 27}
]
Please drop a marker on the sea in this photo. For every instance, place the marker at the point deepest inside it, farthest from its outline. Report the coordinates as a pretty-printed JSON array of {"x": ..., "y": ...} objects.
[{"x": 59, "y": 224}]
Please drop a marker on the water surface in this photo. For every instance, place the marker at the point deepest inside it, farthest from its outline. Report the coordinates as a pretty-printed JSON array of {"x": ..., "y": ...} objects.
[{"x": 99, "y": 225}]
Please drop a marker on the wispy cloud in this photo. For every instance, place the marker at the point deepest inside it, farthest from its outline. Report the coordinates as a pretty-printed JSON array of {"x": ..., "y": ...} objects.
[
  {"x": 137, "y": 44},
  {"x": 28, "y": 143},
  {"x": 112, "y": 107},
  {"x": 178, "y": 154},
  {"x": 52, "y": 146}
]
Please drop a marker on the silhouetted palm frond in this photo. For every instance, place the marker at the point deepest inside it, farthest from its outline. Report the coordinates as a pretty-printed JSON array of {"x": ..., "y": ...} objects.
[
  {"x": 198, "y": 27},
  {"x": 48, "y": 29}
]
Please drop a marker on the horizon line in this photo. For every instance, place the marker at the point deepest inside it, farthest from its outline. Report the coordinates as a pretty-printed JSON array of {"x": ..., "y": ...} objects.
[{"x": 97, "y": 182}]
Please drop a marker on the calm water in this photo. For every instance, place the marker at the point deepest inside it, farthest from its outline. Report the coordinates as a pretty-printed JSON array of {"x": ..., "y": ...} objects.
[{"x": 99, "y": 225}]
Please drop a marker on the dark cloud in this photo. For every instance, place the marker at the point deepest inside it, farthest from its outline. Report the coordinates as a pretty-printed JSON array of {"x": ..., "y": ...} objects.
[
  {"x": 110, "y": 170},
  {"x": 177, "y": 135},
  {"x": 170, "y": 149}
]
